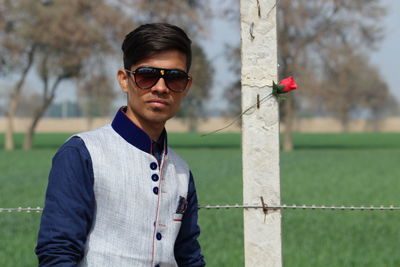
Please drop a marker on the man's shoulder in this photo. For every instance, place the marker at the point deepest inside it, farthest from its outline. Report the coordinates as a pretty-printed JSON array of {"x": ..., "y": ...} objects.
[
  {"x": 73, "y": 149},
  {"x": 77, "y": 141},
  {"x": 73, "y": 142},
  {"x": 95, "y": 132}
]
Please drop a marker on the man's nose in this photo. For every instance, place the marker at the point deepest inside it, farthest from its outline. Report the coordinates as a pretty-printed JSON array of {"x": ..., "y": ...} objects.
[{"x": 160, "y": 86}]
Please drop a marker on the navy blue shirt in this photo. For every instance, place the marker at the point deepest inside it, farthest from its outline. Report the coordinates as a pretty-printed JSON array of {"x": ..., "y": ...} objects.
[{"x": 70, "y": 202}]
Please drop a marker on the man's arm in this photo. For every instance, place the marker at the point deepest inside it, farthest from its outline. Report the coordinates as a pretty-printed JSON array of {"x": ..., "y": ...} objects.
[
  {"x": 187, "y": 248},
  {"x": 69, "y": 206}
]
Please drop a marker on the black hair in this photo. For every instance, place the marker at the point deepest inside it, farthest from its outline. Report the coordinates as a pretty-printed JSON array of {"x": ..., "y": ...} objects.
[{"x": 149, "y": 39}]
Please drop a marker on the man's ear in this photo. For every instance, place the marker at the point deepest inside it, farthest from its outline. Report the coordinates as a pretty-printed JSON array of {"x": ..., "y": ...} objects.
[{"x": 123, "y": 80}]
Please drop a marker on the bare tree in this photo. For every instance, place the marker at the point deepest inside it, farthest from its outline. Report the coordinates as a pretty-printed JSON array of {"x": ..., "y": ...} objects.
[
  {"x": 350, "y": 84},
  {"x": 16, "y": 95},
  {"x": 16, "y": 56},
  {"x": 30, "y": 101},
  {"x": 95, "y": 93},
  {"x": 59, "y": 39},
  {"x": 192, "y": 15},
  {"x": 380, "y": 103},
  {"x": 202, "y": 73},
  {"x": 232, "y": 91},
  {"x": 344, "y": 87},
  {"x": 58, "y": 31},
  {"x": 67, "y": 34},
  {"x": 308, "y": 30},
  {"x": 50, "y": 80}
]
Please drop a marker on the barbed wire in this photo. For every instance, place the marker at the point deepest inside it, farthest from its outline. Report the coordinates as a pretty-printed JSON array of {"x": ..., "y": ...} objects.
[
  {"x": 265, "y": 207},
  {"x": 301, "y": 207},
  {"x": 20, "y": 209}
]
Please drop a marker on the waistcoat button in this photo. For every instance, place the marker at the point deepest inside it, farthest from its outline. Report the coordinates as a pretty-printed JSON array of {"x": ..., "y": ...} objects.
[
  {"x": 158, "y": 236},
  {"x": 155, "y": 190},
  {"x": 153, "y": 165},
  {"x": 154, "y": 177}
]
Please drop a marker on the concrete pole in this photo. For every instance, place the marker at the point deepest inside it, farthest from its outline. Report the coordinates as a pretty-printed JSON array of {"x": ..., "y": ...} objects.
[{"x": 260, "y": 133}]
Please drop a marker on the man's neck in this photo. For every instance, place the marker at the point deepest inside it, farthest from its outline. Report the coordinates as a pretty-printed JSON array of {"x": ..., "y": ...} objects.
[{"x": 154, "y": 130}]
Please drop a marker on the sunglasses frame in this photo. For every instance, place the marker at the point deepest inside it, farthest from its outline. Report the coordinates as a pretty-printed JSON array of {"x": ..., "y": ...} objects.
[{"x": 161, "y": 73}]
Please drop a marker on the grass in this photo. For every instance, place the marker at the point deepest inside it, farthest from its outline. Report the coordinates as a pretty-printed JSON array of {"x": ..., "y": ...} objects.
[
  {"x": 351, "y": 169},
  {"x": 325, "y": 169}
]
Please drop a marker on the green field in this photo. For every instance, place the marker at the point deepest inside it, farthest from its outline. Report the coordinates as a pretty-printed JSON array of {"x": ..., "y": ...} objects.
[{"x": 325, "y": 169}]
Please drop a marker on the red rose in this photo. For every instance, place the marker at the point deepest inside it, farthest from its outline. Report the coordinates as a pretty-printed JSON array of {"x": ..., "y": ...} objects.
[{"x": 289, "y": 83}]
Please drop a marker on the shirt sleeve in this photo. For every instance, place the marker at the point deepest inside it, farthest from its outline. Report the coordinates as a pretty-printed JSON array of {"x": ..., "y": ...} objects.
[
  {"x": 69, "y": 207},
  {"x": 187, "y": 248}
]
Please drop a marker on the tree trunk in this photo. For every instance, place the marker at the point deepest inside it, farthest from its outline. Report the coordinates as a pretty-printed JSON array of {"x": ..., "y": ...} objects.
[
  {"x": 192, "y": 115},
  {"x": 35, "y": 120},
  {"x": 39, "y": 114},
  {"x": 345, "y": 121},
  {"x": 9, "y": 134},
  {"x": 192, "y": 124},
  {"x": 89, "y": 122},
  {"x": 14, "y": 99},
  {"x": 288, "y": 120},
  {"x": 376, "y": 125}
]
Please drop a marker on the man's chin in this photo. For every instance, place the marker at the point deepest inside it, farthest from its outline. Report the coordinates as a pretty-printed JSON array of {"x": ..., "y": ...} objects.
[{"x": 159, "y": 117}]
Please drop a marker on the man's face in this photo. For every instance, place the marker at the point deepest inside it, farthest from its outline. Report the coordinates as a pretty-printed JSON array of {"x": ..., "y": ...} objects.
[{"x": 154, "y": 106}]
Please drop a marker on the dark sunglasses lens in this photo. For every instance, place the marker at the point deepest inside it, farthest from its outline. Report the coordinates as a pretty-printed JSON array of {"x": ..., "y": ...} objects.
[
  {"x": 177, "y": 80},
  {"x": 146, "y": 77}
]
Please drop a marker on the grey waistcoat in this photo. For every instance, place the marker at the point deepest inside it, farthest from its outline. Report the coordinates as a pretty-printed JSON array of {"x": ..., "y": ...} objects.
[{"x": 135, "y": 224}]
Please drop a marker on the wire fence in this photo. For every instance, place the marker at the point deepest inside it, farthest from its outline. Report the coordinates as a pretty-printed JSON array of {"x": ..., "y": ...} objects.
[
  {"x": 301, "y": 207},
  {"x": 264, "y": 207},
  {"x": 20, "y": 209}
]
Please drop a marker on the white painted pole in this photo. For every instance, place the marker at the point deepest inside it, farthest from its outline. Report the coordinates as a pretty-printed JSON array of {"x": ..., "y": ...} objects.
[{"x": 260, "y": 133}]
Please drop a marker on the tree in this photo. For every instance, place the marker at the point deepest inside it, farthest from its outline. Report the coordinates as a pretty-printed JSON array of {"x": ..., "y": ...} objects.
[
  {"x": 348, "y": 85},
  {"x": 308, "y": 32},
  {"x": 66, "y": 70},
  {"x": 95, "y": 93},
  {"x": 358, "y": 86},
  {"x": 68, "y": 35},
  {"x": 232, "y": 91},
  {"x": 63, "y": 37},
  {"x": 380, "y": 102},
  {"x": 16, "y": 56},
  {"x": 202, "y": 73},
  {"x": 16, "y": 94},
  {"x": 192, "y": 15}
]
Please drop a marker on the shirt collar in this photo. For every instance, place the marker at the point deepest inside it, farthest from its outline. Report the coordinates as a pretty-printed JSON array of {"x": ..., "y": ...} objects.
[{"x": 133, "y": 134}]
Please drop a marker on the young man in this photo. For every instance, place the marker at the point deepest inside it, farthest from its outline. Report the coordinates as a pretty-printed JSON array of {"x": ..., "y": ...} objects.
[{"x": 118, "y": 195}]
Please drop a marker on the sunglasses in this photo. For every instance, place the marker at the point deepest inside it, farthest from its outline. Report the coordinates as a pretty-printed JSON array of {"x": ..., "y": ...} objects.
[{"x": 147, "y": 77}]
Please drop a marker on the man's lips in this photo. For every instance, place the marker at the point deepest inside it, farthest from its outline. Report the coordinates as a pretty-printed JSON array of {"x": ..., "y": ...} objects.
[{"x": 158, "y": 103}]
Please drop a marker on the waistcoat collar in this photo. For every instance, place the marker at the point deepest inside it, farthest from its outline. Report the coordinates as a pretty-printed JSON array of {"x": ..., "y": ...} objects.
[{"x": 133, "y": 134}]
